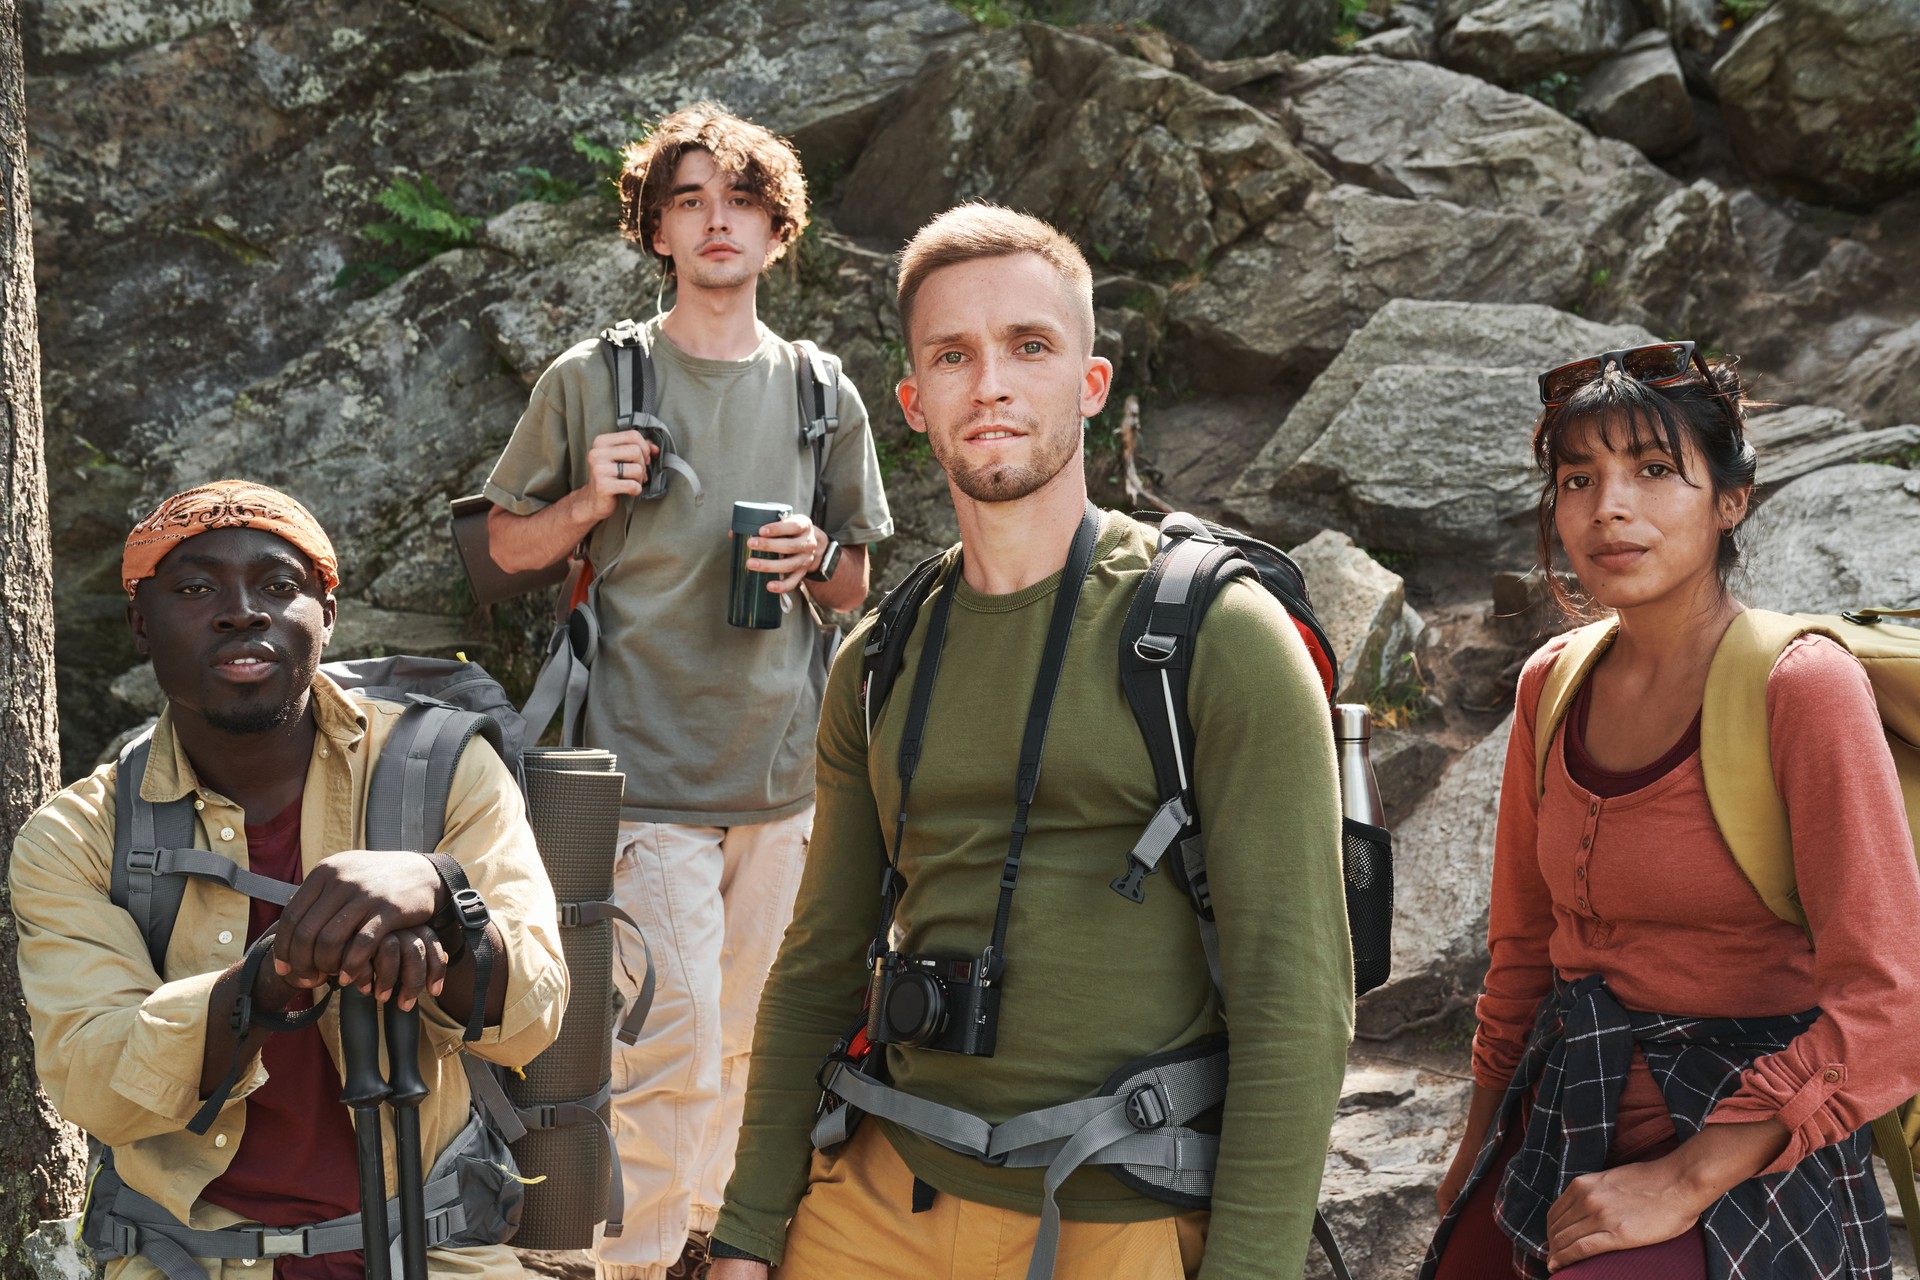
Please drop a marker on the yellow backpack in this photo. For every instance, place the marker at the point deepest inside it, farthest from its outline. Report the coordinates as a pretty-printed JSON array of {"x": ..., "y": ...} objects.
[{"x": 1734, "y": 755}]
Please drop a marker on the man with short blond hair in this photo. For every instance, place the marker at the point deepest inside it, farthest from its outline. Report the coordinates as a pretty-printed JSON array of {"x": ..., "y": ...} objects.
[
  {"x": 713, "y": 724},
  {"x": 1076, "y": 980}
]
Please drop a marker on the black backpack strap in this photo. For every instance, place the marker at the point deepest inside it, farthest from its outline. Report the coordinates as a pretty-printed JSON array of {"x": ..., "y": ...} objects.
[
  {"x": 886, "y": 643},
  {"x": 141, "y": 831},
  {"x": 636, "y": 392},
  {"x": 407, "y": 809},
  {"x": 1156, "y": 658},
  {"x": 819, "y": 376},
  {"x": 636, "y": 407},
  {"x": 154, "y": 857},
  {"x": 413, "y": 777}
]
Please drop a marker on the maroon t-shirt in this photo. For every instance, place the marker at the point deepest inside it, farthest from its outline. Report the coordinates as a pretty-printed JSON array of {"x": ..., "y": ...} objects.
[
  {"x": 1611, "y": 783},
  {"x": 296, "y": 1163}
]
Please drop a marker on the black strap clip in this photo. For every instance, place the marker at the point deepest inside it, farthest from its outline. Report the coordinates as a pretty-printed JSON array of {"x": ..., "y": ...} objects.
[{"x": 1132, "y": 884}]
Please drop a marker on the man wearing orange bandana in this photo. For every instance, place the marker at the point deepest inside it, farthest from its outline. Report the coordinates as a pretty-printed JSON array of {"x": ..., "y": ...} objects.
[{"x": 230, "y": 593}]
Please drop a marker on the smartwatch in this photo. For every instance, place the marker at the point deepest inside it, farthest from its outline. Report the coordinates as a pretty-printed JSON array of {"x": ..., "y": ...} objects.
[{"x": 828, "y": 563}]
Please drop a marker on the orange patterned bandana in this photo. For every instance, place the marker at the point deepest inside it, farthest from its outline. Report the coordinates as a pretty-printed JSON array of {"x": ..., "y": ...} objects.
[{"x": 225, "y": 504}]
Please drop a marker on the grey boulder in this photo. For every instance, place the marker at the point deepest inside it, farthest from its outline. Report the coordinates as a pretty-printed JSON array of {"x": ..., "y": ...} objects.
[
  {"x": 1442, "y": 883},
  {"x": 1216, "y": 28},
  {"x": 1393, "y": 1137},
  {"x": 1639, "y": 97},
  {"x": 1798, "y": 440},
  {"x": 1141, "y": 165},
  {"x": 1362, "y": 605},
  {"x": 1882, "y": 383},
  {"x": 1652, "y": 251},
  {"x": 1837, "y": 539},
  {"x": 1403, "y": 44},
  {"x": 1820, "y": 96},
  {"x": 94, "y": 28},
  {"x": 1276, "y": 307},
  {"x": 1415, "y": 437},
  {"x": 1517, "y": 42}
]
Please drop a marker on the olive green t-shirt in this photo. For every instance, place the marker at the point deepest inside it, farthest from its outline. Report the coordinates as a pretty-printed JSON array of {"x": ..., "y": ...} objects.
[
  {"x": 1092, "y": 979},
  {"x": 713, "y": 723}
]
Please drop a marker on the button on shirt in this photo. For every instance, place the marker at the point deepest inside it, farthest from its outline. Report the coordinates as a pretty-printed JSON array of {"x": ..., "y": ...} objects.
[{"x": 119, "y": 1047}]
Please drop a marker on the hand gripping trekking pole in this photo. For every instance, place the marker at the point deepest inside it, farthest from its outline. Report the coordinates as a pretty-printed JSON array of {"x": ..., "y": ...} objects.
[
  {"x": 409, "y": 1091},
  {"x": 364, "y": 1090}
]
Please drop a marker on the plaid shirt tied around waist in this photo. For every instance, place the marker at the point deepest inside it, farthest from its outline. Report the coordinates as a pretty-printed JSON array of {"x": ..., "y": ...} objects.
[{"x": 1823, "y": 1219}]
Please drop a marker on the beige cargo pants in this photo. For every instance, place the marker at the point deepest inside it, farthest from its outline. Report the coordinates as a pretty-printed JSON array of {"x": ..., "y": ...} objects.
[{"x": 713, "y": 903}]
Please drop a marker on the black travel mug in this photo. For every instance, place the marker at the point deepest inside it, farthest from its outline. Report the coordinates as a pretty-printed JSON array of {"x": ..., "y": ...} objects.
[{"x": 749, "y": 603}]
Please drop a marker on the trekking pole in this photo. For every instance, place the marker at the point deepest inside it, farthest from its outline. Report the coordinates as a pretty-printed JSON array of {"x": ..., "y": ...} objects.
[
  {"x": 364, "y": 1089},
  {"x": 409, "y": 1090}
]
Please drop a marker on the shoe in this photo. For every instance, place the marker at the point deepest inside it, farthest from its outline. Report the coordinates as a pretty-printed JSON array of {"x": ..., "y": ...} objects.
[{"x": 694, "y": 1264}]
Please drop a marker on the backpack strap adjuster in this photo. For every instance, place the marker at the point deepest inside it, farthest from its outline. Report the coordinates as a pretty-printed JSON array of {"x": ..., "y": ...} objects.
[
  {"x": 281, "y": 1242},
  {"x": 1147, "y": 1108},
  {"x": 1156, "y": 650}
]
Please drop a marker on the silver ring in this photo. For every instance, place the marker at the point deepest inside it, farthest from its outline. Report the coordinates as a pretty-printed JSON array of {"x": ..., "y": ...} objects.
[{"x": 619, "y": 470}]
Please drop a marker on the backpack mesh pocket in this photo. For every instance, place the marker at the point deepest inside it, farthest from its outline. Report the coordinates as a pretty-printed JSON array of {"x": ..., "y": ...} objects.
[{"x": 1366, "y": 855}]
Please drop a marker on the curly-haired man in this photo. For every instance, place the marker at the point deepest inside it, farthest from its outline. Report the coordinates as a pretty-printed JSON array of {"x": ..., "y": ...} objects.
[{"x": 713, "y": 724}]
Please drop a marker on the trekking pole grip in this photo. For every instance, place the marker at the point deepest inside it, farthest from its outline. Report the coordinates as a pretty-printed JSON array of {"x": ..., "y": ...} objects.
[
  {"x": 408, "y": 1089},
  {"x": 362, "y": 1085}
]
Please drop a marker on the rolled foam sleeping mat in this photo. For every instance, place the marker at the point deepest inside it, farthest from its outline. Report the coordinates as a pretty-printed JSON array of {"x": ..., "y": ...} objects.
[{"x": 573, "y": 804}]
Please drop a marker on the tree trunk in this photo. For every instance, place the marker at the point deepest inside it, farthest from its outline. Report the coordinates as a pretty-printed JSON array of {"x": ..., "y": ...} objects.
[{"x": 42, "y": 1159}]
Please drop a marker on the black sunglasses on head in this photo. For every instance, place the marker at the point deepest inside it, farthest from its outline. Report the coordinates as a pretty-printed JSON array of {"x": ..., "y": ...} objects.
[{"x": 1654, "y": 365}]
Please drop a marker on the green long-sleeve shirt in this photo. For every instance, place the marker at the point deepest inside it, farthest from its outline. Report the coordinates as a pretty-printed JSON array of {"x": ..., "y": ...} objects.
[{"x": 1092, "y": 979}]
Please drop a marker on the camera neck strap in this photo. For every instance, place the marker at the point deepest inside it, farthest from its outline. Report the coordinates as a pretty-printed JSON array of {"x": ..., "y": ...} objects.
[{"x": 1053, "y": 660}]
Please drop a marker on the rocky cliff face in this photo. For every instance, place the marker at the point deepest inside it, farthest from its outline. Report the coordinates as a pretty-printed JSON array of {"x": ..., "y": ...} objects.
[{"x": 1328, "y": 273}]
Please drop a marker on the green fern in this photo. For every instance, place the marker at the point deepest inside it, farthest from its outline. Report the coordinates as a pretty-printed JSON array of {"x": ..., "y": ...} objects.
[
  {"x": 541, "y": 185},
  {"x": 425, "y": 225}
]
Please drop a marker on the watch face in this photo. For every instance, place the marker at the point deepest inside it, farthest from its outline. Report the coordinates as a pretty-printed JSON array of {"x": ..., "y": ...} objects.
[{"x": 829, "y": 562}]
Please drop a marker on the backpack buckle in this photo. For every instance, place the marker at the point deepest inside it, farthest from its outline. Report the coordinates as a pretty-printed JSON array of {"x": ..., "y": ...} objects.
[
  {"x": 1129, "y": 885},
  {"x": 471, "y": 909},
  {"x": 144, "y": 861},
  {"x": 283, "y": 1242},
  {"x": 1148, "y": 1108}
]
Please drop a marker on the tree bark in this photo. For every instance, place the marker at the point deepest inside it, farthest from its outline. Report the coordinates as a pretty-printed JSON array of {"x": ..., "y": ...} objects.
[{"x": 42, "y": 1159}]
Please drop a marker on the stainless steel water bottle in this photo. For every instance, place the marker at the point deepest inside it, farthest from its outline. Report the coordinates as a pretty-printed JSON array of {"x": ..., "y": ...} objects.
[
  {"x": 749, "y": 603},
  {"x": 1359, "y": 793}
]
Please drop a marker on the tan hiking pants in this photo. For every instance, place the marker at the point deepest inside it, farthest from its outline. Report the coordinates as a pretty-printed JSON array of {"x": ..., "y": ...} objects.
[
  {"x": 713, "y": 903},
  {"x": 856, "y": 1220}
]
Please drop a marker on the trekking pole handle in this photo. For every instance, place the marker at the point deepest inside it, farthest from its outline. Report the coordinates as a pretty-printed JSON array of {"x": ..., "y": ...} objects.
[
  {"x": 363, "y": 1087},
  {"x": 403, "y": 1056}
]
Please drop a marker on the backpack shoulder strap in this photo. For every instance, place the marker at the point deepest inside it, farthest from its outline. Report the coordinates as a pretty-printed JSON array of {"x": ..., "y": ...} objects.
[
  {"x": 1736, "y": 758},
  {"x": 1569, "y": 671},
  {"x": 1156, "y": 658},
  {"x": 413, "y": 776},
  {"x": 886, "y": 643},
  {"x": 819, "y": 375},
  {"x": 141, "y": 829},
  {"x": 629, "y": 358}
]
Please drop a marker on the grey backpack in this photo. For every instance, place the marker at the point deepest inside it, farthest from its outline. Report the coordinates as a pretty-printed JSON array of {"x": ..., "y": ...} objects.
[{"x": 448, "y": 703}]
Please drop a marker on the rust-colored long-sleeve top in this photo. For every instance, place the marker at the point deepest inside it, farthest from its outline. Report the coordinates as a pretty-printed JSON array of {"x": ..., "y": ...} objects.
[{"x": 1642, "y": 889}]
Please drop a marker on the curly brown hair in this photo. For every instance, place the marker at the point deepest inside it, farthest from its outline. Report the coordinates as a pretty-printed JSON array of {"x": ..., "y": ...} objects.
[{"x": 767, "y": 165}]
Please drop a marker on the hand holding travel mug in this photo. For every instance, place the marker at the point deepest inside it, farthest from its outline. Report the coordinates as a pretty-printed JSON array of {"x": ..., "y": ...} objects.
[{"x": 749, "y": 603}]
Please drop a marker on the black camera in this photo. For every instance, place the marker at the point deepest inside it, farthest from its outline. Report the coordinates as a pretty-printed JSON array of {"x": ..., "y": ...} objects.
[{"x": 949, "y": 1003}]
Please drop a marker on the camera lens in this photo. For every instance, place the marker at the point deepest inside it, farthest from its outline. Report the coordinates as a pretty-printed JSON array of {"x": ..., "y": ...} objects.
[{"x": 915, "y": 1008}]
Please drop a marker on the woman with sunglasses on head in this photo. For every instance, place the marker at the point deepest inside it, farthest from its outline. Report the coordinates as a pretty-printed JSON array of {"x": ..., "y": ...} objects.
[{"x": 1670, "y": 1081}]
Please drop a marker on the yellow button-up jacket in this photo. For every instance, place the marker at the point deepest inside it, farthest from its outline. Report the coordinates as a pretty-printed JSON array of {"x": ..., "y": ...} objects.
[{"x": 119, "y": 1047}]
